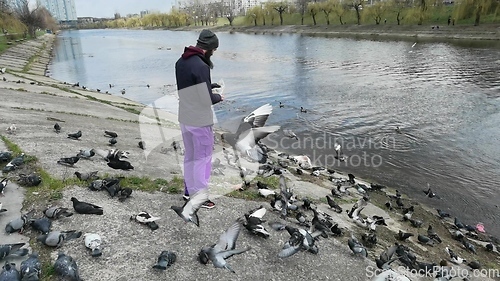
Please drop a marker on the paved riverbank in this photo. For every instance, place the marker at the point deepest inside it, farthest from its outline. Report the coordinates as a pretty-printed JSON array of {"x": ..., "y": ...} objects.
[{"x": 33, "y": 101}]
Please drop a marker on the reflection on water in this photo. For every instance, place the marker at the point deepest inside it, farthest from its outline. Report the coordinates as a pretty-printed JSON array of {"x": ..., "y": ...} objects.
[{"x": 443, "y": 95}]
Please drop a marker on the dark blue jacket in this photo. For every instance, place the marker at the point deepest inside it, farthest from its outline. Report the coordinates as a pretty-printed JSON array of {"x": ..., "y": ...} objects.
[{"x": 192, "y": 72}]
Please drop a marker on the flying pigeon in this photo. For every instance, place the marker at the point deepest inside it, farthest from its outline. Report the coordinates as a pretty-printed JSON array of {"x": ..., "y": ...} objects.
[
  {"x": 189, "y": 212},
  {"x": 147, "y": 219},
  {"x": 66, "y": 267},
  {"x": 254, "y": 222},
  {"x": 165, "y": 259},
  {"x": 224, "y": 249},
  {"x": 93, "y": 242},
  {"x": 290, "y": 134},
  {"x": 356, "y": 247},
  {"x": 86, "y": 208},
  {"x": 250, "y": 131},
  {"x": 75, "y": 136},
  {"x": 31, "y": 268},
  {"x": 57, "y": 238},
  {"x": 55, "y": 212}
]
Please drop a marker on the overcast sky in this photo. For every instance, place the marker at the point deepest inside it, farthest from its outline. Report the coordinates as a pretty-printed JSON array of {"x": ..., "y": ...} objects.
[{"x": 107, "y": 8}]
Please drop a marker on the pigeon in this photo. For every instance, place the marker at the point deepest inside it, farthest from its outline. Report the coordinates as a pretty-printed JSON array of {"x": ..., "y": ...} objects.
[
  {"x": 142, "y": 145},
  {"x": 112, "y": 186},
  {"x": 11, "y": 129},
  {"x": 112, "y": 141},
  {"x": 416, "y": 223},
  {"x": 8, "y": 250},
  {"x": 124, "y": 193},
  {"x": 369, "y": 238},
  {"x": 86, "y": 208},
  {"x": 3, "y": 185},
  {"x": 19, "y": 223},
  {"x": 10, "y": 273},
  {"x": 110, "y": 134},
  {"x": 290, "y": 134},
  {"x": 75, "y": 136},
  {"x": 442, "y": 214},
  {"x": 14, "y": 164},
  {"x": 93, "y": 242},
  {"x": 2, "y": 209},
  {"x": 86, "y": 176},
  {"x": 189, "y": 212},
  {"x": 469, "y": 246},
  {"x": 356, "y": 247},
  {"x": 55, "y": 212},
  {"x": 97, "y": 185},
  {"x": 5, "y": 156},
  {"x": 402, "y": 236},
  {"x": 57, "y": 238},
  {"x": 68, "y": 161},
  {"x": 42, "y": 224},
  {"x": 425, "y": 240},
  {"x": 224, "y": 249},
  {"x": 458, "y": 224},
  {"x": 120, "y": 165},
  {"x": 333, "y": 204},
  {"x": 31, "y": 268},
  {"x": 147, "y": 219},
  {"x": 85, "y": 153},
  {"x": 254, "y": 222},
  {"x": 429, "y": 193},
  {"x": 66, "y": 267},
  {"x": 488, "y": 247},
  {"x": 165, "y": 259},
  {"x": 300, "y": 239},
  {"x": 266, "y": 192},
  {"x": 57, "y": 128},
  {"x": 277, "y": 226},
  {"x": 432, "y": 234},
  {"x": 250, "y": 131},
  {"x": 474, "y": 265},
  {"x": 30, "y": 180},
  {"x": 303, "y": 110},
  {"x": 453, "y": 257}
]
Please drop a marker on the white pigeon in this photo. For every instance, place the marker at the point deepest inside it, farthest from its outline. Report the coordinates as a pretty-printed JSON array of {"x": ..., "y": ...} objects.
[
  {"x": 303, "y": 160},
  {"x": 3, "y": 70},
  {"x": 290, "y": 134},
  {"x": 93, "y": 242},
  {"x": 2, "y": 209},
  {"x": 453, "y": 257},
  {"x": 266, "y": 192},
  {"x": 11, "y": 129}
]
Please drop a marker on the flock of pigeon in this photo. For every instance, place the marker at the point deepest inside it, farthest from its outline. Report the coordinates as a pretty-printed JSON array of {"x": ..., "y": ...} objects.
[{"x": 304, "y": 233}]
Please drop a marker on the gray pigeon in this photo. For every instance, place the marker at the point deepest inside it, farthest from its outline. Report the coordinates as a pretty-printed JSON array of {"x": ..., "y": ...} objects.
[
  {"x": 189, "y": 212},
  {"x": 300, "y": 239},
  {"x": 5, "y": 156},
  {"x": 14, "y": 164},
  {"x": 66, "y": 267},
  {"x": 7, "y": 250},
  {"x": 31, "y": 268},
  {"x": 19, "y": 223},
  {"x": 85, "y": 153},
  {"x": 356, "y": 247},
  {"x": 165, "y": 260},
  {"x": 224, "y": 249},
  {"x": 87, "y": 176},
  {"x": 55, "y": 212},
  {"x": 57, "y": 238},
  {"x": 42, "y": 224},
  {"x": 10, "y": 273}
]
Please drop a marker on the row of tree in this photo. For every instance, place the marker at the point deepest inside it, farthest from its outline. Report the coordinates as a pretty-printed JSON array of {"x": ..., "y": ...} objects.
[
  {"x": 18, "y": 16},
  {"x": 411, "y": 11}
]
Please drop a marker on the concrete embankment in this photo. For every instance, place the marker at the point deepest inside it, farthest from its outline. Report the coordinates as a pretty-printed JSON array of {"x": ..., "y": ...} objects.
[{"x": 33, "y": 102}]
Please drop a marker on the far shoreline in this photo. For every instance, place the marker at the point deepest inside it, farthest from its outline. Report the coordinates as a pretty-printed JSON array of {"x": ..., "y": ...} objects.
[{"x": 486, "y": 33}]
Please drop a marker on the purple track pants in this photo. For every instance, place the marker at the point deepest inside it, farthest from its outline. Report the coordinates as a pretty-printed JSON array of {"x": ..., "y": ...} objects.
[{"x": 198, "y": 146}]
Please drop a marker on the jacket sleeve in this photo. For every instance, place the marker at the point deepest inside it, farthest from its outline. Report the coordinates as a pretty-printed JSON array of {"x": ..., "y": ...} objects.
[{"x": 204, "y": 76}]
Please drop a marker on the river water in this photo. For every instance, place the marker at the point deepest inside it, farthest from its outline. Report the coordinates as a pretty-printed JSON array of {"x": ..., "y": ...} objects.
[{"x": 444, "y": 96}]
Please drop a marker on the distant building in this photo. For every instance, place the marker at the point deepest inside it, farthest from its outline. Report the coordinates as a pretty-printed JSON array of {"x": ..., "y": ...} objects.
[
  {"x": 64, "y": 11},
  {"x": 144, "y": 13}
]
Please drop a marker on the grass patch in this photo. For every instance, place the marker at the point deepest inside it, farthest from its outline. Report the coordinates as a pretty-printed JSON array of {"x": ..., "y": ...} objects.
[{"x": 33, "y": 58}]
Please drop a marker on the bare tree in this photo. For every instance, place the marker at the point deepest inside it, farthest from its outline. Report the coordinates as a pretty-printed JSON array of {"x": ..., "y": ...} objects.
[
  {"x": 302, "y": 7},
  {"x": 281, "y": 8},
  {"x": 358, "y": 7},
  {"x": 33, "y": 19}
]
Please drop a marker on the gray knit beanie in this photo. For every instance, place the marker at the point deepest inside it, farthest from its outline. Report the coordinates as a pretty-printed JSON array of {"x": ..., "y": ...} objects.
[{"x": 208, "y": 40}]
